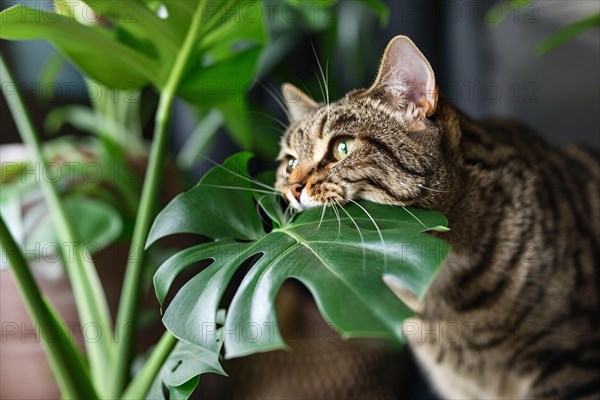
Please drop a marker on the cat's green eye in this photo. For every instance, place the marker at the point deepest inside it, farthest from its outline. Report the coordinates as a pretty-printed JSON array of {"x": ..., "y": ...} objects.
[
  {"x": 291, "y": 165},
  {"x": 342, "y": 147}
]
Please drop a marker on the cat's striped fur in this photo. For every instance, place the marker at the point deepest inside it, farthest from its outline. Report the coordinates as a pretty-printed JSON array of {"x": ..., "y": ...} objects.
[{"x": 515, "y": 311}]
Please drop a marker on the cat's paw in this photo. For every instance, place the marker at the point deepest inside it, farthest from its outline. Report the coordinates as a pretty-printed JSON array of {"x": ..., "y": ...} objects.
[{"x": 403, "y": 293}]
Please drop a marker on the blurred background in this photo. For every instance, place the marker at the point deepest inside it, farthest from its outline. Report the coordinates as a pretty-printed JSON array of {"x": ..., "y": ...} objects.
[
  {"x": 483, "y": 53},
  {"x": 490, "y": 58}
]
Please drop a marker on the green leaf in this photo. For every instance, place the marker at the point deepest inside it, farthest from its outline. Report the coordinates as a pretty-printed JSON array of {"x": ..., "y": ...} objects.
[
  {"x": 227, "y": 56},
  {"x": 568, "y": 33},
  {"x": 216, "y": 206},
  {"x": 81, "y": 117},
  {"x": 380, "y": 9},
  {"x": 102, "y": 226},
  {"x": 142, "y": 46},
  {"x": 135, "y": 18},
  {"x": 180, "y": 372},
  {"x": 49, "y": 73},
  {"x": 341, "y": 260},
  {"x": 87, "y": 47},
  {"x": 270, "y": 204}
]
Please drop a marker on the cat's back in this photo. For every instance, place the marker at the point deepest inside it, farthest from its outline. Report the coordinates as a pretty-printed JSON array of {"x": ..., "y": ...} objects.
[
  {"x": 546, "y": 200},
  {"x": 584, "y": 160},
  {"x": 571, "y": 172}
]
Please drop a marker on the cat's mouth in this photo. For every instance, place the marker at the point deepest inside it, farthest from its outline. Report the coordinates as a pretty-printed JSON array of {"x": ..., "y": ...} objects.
[{"x": 304, "y": 202}]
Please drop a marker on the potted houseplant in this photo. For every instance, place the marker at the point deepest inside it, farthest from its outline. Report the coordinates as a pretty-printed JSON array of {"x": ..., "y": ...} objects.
[{"x": 189, "y": 29}]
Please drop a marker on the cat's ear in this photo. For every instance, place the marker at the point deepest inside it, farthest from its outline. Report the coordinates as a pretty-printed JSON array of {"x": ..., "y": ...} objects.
[
  {"x": 405, "y": 79},
  {"x": 297, "y": 102}
]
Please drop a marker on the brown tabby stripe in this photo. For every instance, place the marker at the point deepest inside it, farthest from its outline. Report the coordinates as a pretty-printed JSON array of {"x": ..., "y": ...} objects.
[
  {"x": 320, "y": 130},
  {"x": 441, "y": 355},
  {"x": 555, "y": 360},
  {"x": 580, "y": 217},
  {"x": 539, "y": 291},
  {"x": 474, "y": 135},
  {"x": 343, "y": 120},
  {"x": 383, "y": 148},
  {"x": 488, "y": 254},
  {"x": 484, "y": 297},
  {"x": 507, "y": 329},
  {"x": 547, "y": 199},
  {"x": 474, "y": 273},
  {"x": 574, "y": 201},
  {"x": 580, "y": 176},
  {"x": 567, "y": 190},
  {"x": 374, "y": 183},
  {"x": 584, "y": 356}
]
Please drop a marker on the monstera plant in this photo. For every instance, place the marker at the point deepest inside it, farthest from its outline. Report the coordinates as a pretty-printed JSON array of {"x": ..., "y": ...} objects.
[
  {"x": 181, "y": 48},
  {"x": 206, "y": 53}
]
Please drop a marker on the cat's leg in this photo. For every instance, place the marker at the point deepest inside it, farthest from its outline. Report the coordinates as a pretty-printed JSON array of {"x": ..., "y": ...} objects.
[
  {"x": 424, "y": 343},
  {"x": 439, "y": 361},
  {"x": 438, "y": 358}
]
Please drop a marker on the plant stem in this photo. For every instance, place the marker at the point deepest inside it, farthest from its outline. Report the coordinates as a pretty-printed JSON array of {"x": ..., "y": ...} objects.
[
  {"x": 567, "y": 33},
  {"x": 150, "y": 192},
  {"x": 87, "y": 289},
  {"x": 140, "y": 385},
  {"x": 65, "y": 360}
]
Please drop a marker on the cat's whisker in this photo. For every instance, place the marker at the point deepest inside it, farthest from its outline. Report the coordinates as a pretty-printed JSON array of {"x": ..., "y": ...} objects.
[
  {"x": 362, "y": 239},
  {"x": 378, "y": 232},
  {"x": 278, "y": 100},
  {"x": 258, "y": 207},
  {"x": 437, "y": 190},
  {"x": 289, "y": 210},
  {"x": 307, "y": 90},
  {"x": 277, "y": 120},
  {"x": 321, "y": 87},
  {"x": 256, "y": 182},
  {"x": 337, "y": 215},
  {"x": 415, "y": 217},
  {"x": 273, "y": 193},
  {"x": 321, "y": 219},
  {"x": 325, "y": 80},
  {"x": 327, "y": 86}
]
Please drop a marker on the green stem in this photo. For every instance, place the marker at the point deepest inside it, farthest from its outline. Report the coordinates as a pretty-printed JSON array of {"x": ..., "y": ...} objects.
[
  {"x": 567, "y": 34},
  {"x": 87, "y": 289},
  {"x": 128, "y": 305},
  {"x": 140, "y": 385},
  {"x": 65, "y": 360}
]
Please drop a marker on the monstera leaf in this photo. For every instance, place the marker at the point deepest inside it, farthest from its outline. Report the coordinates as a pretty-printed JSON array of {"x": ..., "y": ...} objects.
[
  {"x": 340, "y": 254},
  {"x": 126, "y": 45},
  {"x": 181, "y": 371}
]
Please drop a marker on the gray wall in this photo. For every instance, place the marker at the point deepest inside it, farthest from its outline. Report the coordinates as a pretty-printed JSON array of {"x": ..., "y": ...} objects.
[{"x": 493, "y": 69}]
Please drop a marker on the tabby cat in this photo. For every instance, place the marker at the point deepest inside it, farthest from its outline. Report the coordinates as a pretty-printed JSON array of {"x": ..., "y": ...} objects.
[{"x": 515, "y": 310}]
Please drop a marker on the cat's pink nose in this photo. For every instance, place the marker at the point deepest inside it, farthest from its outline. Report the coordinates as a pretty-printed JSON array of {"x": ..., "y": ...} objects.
[{"x": 296, "y": 189}]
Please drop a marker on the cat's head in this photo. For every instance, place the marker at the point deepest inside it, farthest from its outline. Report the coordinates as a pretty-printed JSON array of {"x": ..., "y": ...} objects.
[{"x": 376, "y": 144}]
